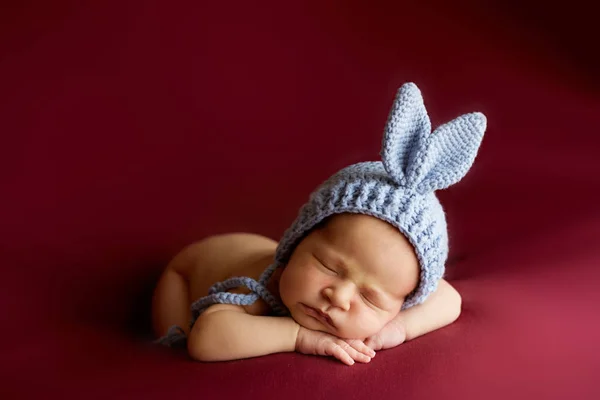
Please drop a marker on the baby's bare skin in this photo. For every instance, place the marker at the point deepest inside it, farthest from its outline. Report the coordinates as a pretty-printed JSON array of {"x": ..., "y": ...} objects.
[
  {"x": 205, "y": 263},
  {"x": 347, "y": 279}
]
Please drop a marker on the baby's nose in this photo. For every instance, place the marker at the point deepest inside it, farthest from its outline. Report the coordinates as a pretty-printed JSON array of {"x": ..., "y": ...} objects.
[{"x": 340, "y": 296}]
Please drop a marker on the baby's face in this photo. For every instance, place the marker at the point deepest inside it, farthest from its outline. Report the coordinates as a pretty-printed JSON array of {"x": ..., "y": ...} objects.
[{"x": 350, "y": 277}]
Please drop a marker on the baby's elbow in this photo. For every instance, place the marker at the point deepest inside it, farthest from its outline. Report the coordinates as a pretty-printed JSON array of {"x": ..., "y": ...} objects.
[
  {"x": 450, "y": 302},
  {"x": 197, "y": 347},
  {"x": 200, "y": 344},
  {"x": 455, "y": 305},
  {"x": 198, "y": 353}
]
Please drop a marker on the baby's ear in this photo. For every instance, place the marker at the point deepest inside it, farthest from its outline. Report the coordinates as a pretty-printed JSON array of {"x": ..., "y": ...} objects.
[
  {"x": 448, "y": 153},
  {"x": 407, "y": 127}
]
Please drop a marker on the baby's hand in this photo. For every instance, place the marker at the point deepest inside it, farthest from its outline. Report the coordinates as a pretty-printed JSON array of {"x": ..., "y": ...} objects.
[
  {"x": 324, "y": 344},
  {"x": 392, "y": 335}
]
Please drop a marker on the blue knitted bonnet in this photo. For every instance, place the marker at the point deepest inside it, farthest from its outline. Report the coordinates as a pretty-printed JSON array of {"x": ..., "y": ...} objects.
[{"x": 399, "y": 189}]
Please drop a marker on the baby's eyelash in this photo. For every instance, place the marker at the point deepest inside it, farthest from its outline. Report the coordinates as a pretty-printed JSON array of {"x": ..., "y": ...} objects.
[
  {"x": 368, "y": 300},
  {"x": 329, "y": 269},
  {"x": 324, "y": 265}
]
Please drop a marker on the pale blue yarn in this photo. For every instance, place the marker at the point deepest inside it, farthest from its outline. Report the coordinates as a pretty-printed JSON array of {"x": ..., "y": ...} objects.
[{"x": 399, "y": 189}]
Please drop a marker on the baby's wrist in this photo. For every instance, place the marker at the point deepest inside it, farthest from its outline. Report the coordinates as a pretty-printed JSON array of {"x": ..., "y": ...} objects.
[{"x": 294, "y": 335}]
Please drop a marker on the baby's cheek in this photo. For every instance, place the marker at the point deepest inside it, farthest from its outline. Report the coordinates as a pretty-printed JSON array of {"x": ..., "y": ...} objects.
[
  {"x": 297, "y": 282},
  {"x": 364, "y": 324},
  {"x": 313, "y": 279},
  {"x": 288, "y": 286}
]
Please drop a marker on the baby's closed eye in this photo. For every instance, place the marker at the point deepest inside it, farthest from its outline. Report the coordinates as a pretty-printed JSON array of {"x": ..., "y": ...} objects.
[
  {"x": 367, "y": 299},
  {"x": 373, "y": 297},
  {"x": 325, "y": 267}
]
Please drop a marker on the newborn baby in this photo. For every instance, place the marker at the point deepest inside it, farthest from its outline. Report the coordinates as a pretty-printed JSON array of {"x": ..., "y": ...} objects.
[{"x": 360, "y": 269}]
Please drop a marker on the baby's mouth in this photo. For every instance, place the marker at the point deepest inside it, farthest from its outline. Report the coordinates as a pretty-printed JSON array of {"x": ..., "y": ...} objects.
[{"x": 313, "y": 312}]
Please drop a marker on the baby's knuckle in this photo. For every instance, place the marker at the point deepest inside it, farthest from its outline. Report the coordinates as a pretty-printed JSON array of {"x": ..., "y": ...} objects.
[
  {"x": 337, "y": 351},
  {"x": 344, "y": 345}
]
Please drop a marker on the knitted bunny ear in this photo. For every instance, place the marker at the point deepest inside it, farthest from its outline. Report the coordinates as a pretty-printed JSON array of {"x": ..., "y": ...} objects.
[
  {"x": 448, "y": 153},
  {"x": 406, "y": 129}
]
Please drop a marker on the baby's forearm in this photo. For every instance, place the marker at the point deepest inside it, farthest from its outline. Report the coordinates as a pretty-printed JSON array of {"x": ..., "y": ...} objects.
[
  {"x": 441, "y": 308},
  {"x": 230, "y": 335}
]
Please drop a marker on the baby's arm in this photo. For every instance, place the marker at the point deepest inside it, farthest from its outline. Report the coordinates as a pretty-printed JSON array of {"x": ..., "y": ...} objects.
[
  {"x": 441, "y": 308},
  {"x": 227, "y": 332}
]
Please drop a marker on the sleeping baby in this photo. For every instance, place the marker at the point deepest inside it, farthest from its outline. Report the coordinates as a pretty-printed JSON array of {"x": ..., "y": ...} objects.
[{"x": 359, "y": 270}]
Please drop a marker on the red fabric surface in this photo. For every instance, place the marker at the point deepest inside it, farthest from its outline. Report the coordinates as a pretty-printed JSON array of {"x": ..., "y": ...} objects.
[{"x": 133, "y": 128}]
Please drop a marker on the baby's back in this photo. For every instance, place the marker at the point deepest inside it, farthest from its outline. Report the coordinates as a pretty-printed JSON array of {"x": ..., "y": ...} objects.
[{"x": 217, "y": 258}]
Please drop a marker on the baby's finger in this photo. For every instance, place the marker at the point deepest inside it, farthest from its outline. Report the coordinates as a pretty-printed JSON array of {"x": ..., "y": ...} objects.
[
  {"x": 355, "y": 354},
  {"x": 361, "y": 346},
  {"x": 340, "y": 353}
]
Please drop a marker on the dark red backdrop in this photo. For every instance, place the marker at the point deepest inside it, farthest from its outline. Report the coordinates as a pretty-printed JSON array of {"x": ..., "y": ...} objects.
[{"x": 131, "y": 128}]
